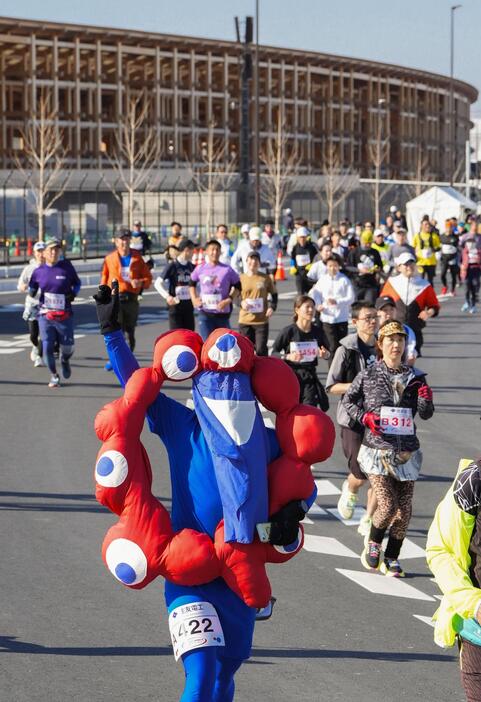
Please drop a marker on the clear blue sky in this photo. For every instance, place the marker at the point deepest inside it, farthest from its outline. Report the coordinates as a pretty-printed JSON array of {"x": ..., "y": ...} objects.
[{"x": 408, "y": 32}]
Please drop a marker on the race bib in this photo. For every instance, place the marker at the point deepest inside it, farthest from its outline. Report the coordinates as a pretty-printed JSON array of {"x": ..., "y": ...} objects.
[
  {"x": 426, "y": 253},
  {"x": 210, "y": 301},
  {"x": 302, "y": 260},
  {"x": 255, "y": 305},
  {"x": 54, "y": 301},
  {"x": 309, "y": 350},
  {"x": 182, "y": 292},
  {"x": 448, "y": 249},
  {"x": 125, "y": 273},
  {"x": 397, "y": 421},
  {"x": 194, "y": 625}
]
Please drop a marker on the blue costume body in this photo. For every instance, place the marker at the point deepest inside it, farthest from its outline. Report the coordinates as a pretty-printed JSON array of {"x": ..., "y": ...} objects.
[{"x": 197, "y": 504}]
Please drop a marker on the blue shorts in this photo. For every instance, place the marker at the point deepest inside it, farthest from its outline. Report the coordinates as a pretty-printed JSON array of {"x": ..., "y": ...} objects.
[
  {"x": 52, "y": 330},
  {"x": 236, "y": 618}
]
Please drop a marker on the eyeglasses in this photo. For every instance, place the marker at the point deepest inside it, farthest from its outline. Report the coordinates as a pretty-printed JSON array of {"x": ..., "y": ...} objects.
[{"x": 369, "y": 318}]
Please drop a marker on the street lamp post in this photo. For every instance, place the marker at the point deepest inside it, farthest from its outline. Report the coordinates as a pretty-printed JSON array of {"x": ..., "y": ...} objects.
[
  {"x": 451, "y": 101},
  {"x": 378, "y": 161}
]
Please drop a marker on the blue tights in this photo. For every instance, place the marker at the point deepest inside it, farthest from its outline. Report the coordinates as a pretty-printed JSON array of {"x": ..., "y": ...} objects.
[{"x": 209, "y": 677}]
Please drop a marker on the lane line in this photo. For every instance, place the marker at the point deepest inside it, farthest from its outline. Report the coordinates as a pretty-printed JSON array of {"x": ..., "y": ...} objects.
[
  {"x": 425, "y": 620},
  {"x": 382, "y": 585},
  {"x": 327, "y": 545},
  {"x": 326, "y": 488}
]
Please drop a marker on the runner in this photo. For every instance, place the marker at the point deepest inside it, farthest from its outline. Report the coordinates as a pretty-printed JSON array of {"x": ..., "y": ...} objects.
[
  {"x": 174, "y": 240},
  {"x": 239, "y": 258},
  {"x": 271, "y": 238},
  {"x": 174, "y": 286},
  {"x": 226, "y": 245},
  {"x": 58, "y": 283},
  {"x": 385, "y": 398},
  {"x": 258, "y": 302},
  {"x": 415, "y": 299},
  {"x": 333, "y": 296},
  {"x": 399, "y": 247},
  {"x": 301, "y": 344},
  {"x": 449, "y": 258},
  {"x": 319, "y": 267},
  {"x": 365, "y": 264},
  {"x": 356, "y": 352},
  {"x": 426, "y": 243},
  {"x": 452, "y": 554},
  {"x": 303, "y": 254},
  {"x": 470, "y": 273},
  {"x": 217, "y": 283},
  {"x": 133, "y": 274},
  {"x": 30, "y": 311},
  {"x": 387, "y": 312}
]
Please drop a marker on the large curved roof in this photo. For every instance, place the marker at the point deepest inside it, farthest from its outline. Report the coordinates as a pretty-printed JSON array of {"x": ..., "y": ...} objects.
[{"x": 133, "y": 37}]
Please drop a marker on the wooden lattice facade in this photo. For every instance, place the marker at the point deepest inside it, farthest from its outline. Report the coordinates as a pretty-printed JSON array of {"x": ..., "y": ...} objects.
[{"x": 192, "y": 82}]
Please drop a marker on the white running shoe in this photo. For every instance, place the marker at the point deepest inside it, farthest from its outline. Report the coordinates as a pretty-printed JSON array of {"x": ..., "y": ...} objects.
[
  {"x": 34, "y": 354},
  {"x": 347, "y": 502},
  {"x": 38, "y": 362},
  {"x": 465, "y": 307},
  {"x": 364, "y": 527},
  {"x": 54, "y": 381}
]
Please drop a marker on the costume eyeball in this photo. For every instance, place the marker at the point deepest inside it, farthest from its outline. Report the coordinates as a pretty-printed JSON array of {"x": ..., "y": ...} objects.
[
  {"x": 126, "y": 561},
  {"x": 179, "y": 362},
  {"x": 111, "y": 469}
]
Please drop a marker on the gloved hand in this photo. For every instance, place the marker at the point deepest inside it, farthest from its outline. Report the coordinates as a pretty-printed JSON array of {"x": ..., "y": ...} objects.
[
  {"x": 425, "y": 393},
  {"x": 107, "y": 304},
  {"x": 371, "y": 420},
  {"x": 70, "y": 297},
  {"x": 292, "y": 270},
  {"x": 285, "y": 524}
]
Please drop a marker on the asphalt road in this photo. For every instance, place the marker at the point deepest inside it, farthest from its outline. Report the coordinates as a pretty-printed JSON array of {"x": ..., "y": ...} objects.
[{"x": 69, "y": 631}]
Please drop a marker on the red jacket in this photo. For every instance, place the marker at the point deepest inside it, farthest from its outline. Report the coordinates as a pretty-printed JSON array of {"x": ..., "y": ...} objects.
[
  {"x": 139, "y": 270},
  {"x": 412, "y": 296}
]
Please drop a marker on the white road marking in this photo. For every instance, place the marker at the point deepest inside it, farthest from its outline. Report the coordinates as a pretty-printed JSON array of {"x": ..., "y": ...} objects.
[
  {"x": 315, "y": 509},
  {"x": 425, "y": 620},
  {"x": 382, "y": 585},
  {"x": 325, "y": 488},
  {"x": 6, "y": 352},
  {"x": 306, "y": 520},
  {"x": 327, "y": 545},
  {"x": 358, "y": 513}
]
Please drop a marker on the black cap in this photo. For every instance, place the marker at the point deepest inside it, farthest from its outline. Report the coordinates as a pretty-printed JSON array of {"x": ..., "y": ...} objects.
[
  {"x": 383, "y": 301},
  {"x": 253, "y": 254},
  {"x": 122, "y": 232}
]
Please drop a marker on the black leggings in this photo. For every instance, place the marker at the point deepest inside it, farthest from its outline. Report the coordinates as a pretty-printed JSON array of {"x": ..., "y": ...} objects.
[
  {"x": 453, "y": 270},
  {"x": 34, "y": 332},
  {"x": 429, "y": 272},
  {"x": 472, "y": 286},
  {"x": 258, "y": 334}
]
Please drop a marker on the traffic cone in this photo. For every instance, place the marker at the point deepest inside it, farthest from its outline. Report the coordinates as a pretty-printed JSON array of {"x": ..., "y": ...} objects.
[
  {"x": 200, "y": 256},
  {"x": 17, "y": 247},
  {"x": 280, "y": 272},
  {"x": 29, "y": 247}
]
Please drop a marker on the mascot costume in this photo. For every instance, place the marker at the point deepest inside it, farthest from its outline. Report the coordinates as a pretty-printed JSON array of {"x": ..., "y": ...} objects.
[{"x": 239, "y": 490}]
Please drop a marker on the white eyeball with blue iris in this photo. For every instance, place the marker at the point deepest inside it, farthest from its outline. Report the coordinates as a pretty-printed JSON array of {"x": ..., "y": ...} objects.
[
  {"x": 291, "y": 548},
  {"x": 179, "y": 362},
  {"x": 111, "y": 469},
  {"x": 225, "y": 352},
  {"x": 126, "y": 561}
]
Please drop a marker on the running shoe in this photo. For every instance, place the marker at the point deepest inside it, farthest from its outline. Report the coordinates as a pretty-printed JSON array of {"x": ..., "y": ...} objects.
[
  {"x": 54, "y": 381},
  {"x": 66, "y": 370},
  {"x": 108, "y": 366},
  {"x": 465, "y": 307},
  {"x": 472, "y": 309},
  {"x": 364, "y": 527},
  {"x": 347, "y": 502},
  {"x": 371, "y": 555},
  {"x": 38, "y": 362},
  {"x": 34, "y": 354},
  {"x": 392, "y": 567},
  {"x": 444, "y": 290}
]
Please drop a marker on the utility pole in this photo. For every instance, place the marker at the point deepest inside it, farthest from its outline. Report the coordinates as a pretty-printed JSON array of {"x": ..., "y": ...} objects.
[
  {"x": 246, "y": 76},
  {"x": 452, "y": 124},
  {"x": 256, "y": 126}
]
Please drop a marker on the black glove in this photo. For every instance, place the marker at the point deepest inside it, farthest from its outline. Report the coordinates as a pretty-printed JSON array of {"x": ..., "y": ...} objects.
[
  {"x": 107, "y": 303},
  {"x": 70, "y": 297},
  {"x": 285, "y": 524}
]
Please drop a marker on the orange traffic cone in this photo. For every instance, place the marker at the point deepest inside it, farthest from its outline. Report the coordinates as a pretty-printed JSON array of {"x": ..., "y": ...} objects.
[
  {"x": 200, "y": 256},
  {"x": 17, "y": 247},
  {"x": 29, "y": 247},
  {"x": 280, "y": 272}
]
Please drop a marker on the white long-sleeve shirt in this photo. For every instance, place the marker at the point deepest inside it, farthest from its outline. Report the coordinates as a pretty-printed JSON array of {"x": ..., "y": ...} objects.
[
  {"x": 239, "y": 258},
  {"x": 339, "y": 289}
]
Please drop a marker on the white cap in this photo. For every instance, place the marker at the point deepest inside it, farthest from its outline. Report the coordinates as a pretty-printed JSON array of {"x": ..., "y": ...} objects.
[
  {"x": 302, "y": 231},
  {"x": 39, "y": 246},
  {"x": 405, "y": 257},
  {"x": 255, "y": 234},
  {"x": 393, "y": 208},
  {"x": 245, "y": 229},
  {"x": 378, "y": 232}
]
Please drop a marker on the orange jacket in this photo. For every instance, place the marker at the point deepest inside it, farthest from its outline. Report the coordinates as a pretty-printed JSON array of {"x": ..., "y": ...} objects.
[{"x": 139, "y": 270}]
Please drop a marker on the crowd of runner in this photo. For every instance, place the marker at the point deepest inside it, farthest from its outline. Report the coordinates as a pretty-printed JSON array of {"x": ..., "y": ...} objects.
[{"x": 380, "y": 282}]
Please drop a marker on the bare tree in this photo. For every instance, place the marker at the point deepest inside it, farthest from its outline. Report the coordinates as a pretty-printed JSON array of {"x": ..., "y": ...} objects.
[
  {"x": 136, "y": 149},
  {"x": 281, "y": 161},
  {"x": 43, "y": 158},
  {"x": 377, "y": 154},
  {"x": 337, "y": 181},
  {"x": 213, "y": 170},
  {"x": 422, "y": 174}
]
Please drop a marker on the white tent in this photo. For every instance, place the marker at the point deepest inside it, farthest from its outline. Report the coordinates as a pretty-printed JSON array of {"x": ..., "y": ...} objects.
[{"x": 440, "y": 203}]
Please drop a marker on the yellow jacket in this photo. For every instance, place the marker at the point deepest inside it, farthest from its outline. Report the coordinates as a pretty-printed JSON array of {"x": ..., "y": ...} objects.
[
  {"x": 447, "y": 553},
  {"x": 426, "y": 244}
]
